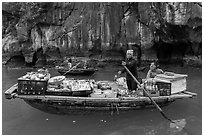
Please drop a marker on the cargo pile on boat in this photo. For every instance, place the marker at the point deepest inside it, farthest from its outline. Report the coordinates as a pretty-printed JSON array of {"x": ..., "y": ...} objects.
[
  {"x": 40, "y": 75},
  {"x": 104, "y": 89},
  {"x": 165, "y": 84},
  {"x": 33, "y": 83},
  {"x": 40, "y": 83},
  {"x": 88, "y": 88},
  {"x": 71, "y": 87}
]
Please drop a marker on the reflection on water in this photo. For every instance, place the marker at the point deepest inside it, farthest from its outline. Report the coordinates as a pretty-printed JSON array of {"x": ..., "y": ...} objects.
[
  {"x": 179, "y": 124},
  {"x": 20, "y": 118}
]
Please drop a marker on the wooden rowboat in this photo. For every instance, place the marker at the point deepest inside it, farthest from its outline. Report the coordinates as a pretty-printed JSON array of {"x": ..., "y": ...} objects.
[{"x": 65, "y": 104}]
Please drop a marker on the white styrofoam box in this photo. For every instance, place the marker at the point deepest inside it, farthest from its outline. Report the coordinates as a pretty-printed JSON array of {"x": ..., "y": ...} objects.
[{"x": 178, "y": 81}]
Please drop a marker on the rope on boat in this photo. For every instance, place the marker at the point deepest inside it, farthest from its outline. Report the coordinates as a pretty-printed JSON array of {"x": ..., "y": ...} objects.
[
  {"x": 111, "y": 109},
  {"x": 116, "y": 106}
]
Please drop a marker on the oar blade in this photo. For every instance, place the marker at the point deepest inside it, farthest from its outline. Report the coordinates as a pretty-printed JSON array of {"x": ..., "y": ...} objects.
[{"x": 178, "y": 124}]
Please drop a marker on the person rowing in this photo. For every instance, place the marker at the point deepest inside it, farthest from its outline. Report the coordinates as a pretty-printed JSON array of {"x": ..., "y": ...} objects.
[{"x": 131, "y": 64}]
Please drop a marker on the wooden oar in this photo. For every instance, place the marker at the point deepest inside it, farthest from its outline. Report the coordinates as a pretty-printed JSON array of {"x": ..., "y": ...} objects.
[
  {"x": 157, "y": 106},
  {"x": 71, "y": 68}
]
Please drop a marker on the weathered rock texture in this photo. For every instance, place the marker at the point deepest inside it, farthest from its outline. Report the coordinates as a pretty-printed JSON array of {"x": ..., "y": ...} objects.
[{"x": 51, "y": 31}]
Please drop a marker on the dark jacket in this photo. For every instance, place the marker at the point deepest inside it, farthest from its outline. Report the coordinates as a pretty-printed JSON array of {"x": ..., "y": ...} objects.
[{"x": 131, "y": 64}]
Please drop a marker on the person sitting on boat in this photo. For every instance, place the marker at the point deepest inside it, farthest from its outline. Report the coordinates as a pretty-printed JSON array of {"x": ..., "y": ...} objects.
[
  {"x": 131, "y": 64},
  {"x": 153, "y": 71}
]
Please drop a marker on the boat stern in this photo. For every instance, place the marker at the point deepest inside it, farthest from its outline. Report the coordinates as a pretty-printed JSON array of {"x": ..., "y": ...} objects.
[{"x": 11, "y": 92}]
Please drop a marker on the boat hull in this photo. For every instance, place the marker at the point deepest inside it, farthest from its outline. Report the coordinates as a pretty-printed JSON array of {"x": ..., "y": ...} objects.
[
  {"x": 70, "y": 105},
  {"x": 65, "y": 104},
  {"x": 58, "y": 108}
]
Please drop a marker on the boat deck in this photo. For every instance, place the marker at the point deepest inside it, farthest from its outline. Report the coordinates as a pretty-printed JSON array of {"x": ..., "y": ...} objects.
[
  {"x": 181, "y": 95},
  {"x": 62, "y": 104},
  {"x": 11, "y": 92}
]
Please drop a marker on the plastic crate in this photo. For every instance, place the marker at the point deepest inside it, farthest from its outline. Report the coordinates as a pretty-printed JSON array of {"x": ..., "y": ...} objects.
[
  {"x": 158, "y": 89},
  {"x": 81, "y": 93},
  {"x": 104, "y": 86},
  {"x": 164, "y": 88},
  {"x": 177, "y": 82},
  {"x": 31, "y": 87},
  {"x": 152, "y": 93}
]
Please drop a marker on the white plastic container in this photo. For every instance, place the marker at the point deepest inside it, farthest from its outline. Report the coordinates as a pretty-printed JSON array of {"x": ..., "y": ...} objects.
[{"x": 178, "y": 81}]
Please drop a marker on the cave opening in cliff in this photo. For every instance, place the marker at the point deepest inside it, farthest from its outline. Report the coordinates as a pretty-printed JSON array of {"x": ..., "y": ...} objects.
[{"x": 16, "y": 60}]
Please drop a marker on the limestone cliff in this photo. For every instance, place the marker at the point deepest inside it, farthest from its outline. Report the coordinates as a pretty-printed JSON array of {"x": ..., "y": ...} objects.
[{"x": 51, "y": 31}]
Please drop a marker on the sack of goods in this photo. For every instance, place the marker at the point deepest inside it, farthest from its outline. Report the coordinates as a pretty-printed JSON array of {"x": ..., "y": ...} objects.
[
  {"x": 121, "y": 81},
  {"x": 109, "y": 94},
  {"x": 80, "y": 85},
  {"x": 103, "y": 85},
  {"x": 41, "y": 75},
  {"x": 97, "y": 95},
  {"x": 176, "y": 82},
  {"x": 56, "y": 80}
]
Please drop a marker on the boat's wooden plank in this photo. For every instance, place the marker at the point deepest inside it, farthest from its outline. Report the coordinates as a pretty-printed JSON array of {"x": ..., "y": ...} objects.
[
  {"x": 11, "y": 89},
  {"x": 91, "y": 107},
  {"x": 9, "y": 92},
  {"x": 90, "y": 99},
  {"x": 190, "y": 93}
]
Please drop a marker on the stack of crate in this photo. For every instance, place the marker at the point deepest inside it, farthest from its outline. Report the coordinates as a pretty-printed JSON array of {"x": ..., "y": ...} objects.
[
  {"x": 33, "y": 83},
  {"x": 31, "y": 87},
  {"x": 151, "y": 88},
  {"x": 175, "y": 83},
  {"x": 156, "y": 89}
]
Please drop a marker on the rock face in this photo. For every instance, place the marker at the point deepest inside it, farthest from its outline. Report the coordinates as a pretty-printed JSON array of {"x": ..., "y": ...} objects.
[
  {"x": 10, "y": 45},
  {"x": 67, "y": 28}
]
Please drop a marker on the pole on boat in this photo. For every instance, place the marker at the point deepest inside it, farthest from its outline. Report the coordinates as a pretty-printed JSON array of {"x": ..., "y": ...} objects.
[
  {"x": 157, "y": 106},
  {"x": 71, "y": 68}
]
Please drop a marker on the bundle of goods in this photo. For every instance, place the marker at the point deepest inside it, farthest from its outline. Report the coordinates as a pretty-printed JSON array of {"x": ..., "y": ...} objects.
[
  {"x": 98, "y": 93},
  {"x": 65, "y": 86},
  {"x": 56, "y": 86},
  {"x": 151, "y": 87},
  {"x": 79, "y": 87},
  {"x": 56, "y": 80},
  {"x": 176, "y": 82},
  {"x": 60, "y": 90},
  {"x": 122, "y": 91},
  {"x": 103, "y": 85},
  {"x": 33, "y": 82},
  {"x": 41, "y": 74},
  {"x": 103, "y": 94},
  {"x": 109, "y": 93},
  {"x": 121, "y": 82},
  {"x": 121, "y": 85}
]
